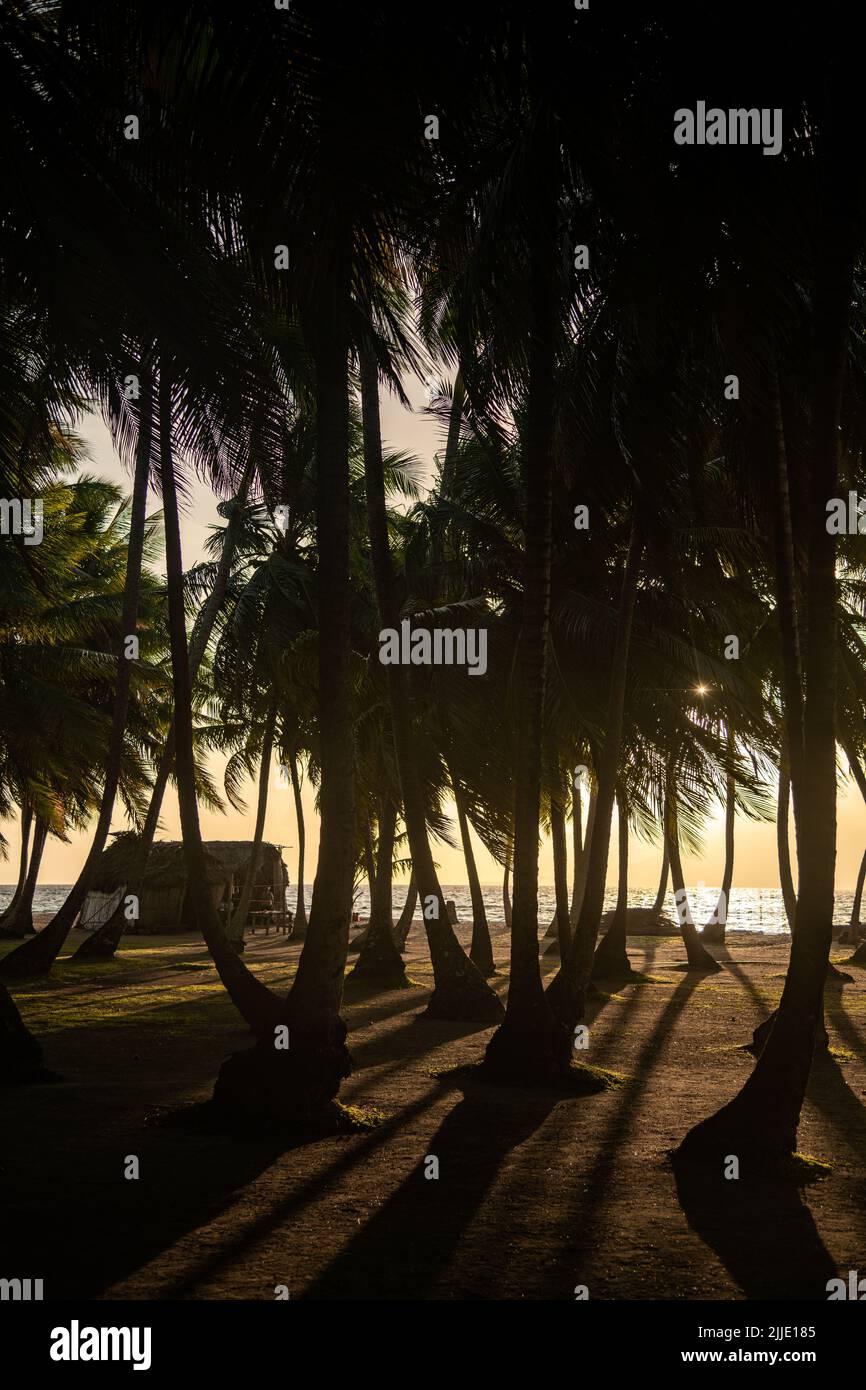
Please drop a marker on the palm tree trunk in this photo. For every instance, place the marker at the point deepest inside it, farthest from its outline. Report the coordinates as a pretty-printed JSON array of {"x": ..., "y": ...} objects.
[
  {"x": 380, "y": 958},
  {"x": 783, "y": 848},
  {"x": 525, "y": 1045},
  {"x": 662, "y": 891},
  {"x": 296, "y": 1082},
  {"x": 102, "y": 944},
  {"x": 611, "y": 957},
  {"x": 697, "y": 956},
  {"x": 20, "y": 1053},
  {"x": 714, "y": 929},
  {"x": 577, "y": 855},
  {"x": 254, "y": 1001},
  {"x": 560, "y": 874},
  {"x": 369, "y": 859},
  {"x": 570, "y": 985},
  {"x": 506, "y": 895},
  {"x": 481, "y": 948},
  {"x": 552, "y": 933},
  {"x": 452, "y": 443},
  {"x": 582, "y": 866},
  {"x": 26, "y": 822},
  {"x": 763, "y": 1119},
  {"x": 307, "y": 1075},
  {"x": 36, "y": 956},
  {"x": 858, "y": 899},
  {"x": 859, "y": 956},
  {"x": 404, "y": 925},
  {"x": 21, "y": 922},
  {"x": 300, "y": 927},
  {"x": 460, "y": 991},
  {"x": 239, "y": 917},
  {"x": 854, "y": 928},
  {"x": 788, "y": 607}
]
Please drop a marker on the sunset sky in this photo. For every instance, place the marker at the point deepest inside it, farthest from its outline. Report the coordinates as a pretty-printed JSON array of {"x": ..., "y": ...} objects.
[{"x": 420, "y": 434}]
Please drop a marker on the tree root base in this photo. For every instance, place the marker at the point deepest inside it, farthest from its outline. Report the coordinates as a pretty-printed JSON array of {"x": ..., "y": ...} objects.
[
  {"x": 838, "y": 977},
  {"x": 703, "y": 1158},
  {"x": 21, "y": 1061},
  {"x": 525, "y": 1056},
  {"x": 381, "y": 974},
  {"x": 93, "y": 949},
  {"x": 611, "y": 968},
  {"x": 699, "y": 968},
  {"x": 465, "y": 998},
  {"x": 485, "y": 968},
  {"x": 762, "y": 1033},
  {"x": 266, "y": 1086}
]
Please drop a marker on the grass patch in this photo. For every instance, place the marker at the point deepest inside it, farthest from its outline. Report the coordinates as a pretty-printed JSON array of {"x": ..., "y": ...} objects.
[
  {"x": 804, "y": 1169},
  {"x": 357, "y": 1119},
  {"x": 582, "y": 1078},
  {"x": 600, "y": 1078}
]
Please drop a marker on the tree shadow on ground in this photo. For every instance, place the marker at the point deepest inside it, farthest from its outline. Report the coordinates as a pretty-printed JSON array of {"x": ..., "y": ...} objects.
[
  {"x": 763, "y": 1233},
  {"x": 426, "y": 1038},
  {"x": 91, "y": 1228},
  {"x": 588, "y": 1213},
  {"x": 830, "y": 1092},
  {"x": 762, "y": 1230},
  {"x": 407, "y": 1248},
  {"x": 404, "y": 1249}
]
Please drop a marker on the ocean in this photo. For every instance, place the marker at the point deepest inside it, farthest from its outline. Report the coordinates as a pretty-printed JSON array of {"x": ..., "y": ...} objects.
[{"x": 749, "y": 909}]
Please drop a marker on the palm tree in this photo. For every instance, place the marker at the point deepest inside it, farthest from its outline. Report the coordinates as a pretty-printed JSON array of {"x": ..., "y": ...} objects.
[
  {"x": 38, "y": 954},
  {"x": 380, "y": 958},
  {"x": 714, "y": 929},
  {"x": 581, "y": 864},
  {"x": 59, "y": 618},
  {"x": 571, "y": 983},
  {"x": 560, "y": 866},
  {"x": 480, "y": 949},
  {"x": 579, "y": 847},
  {"x": 661, "y": 892},
  {"x": 506, "y": 894},
  {"x": 856, "y": 904},
  {"x": 459, "y": 988},
  {"x": 525, "y": 1043},
  {"x": 239, "y": 917},
  {"x": 102, "y": 943},
  {"x": 20, "y": 1053},
  {"x": 762, "y": 1120},
  {"x": 300, "y": 927},
  {"x": 783, "y": 849},
  {"x": 404, "y": 921},
  {"x": 20, "y": 921},
  {"x": 257, "y": 1004},
  {"x": 698, "y": 957},
  {"x": 26, "y": 824},
  {"x": 611, "y": 957}
]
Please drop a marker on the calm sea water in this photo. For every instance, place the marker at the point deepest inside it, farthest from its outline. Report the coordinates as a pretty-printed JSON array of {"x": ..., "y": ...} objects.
[{"x": 749, "y": 909}]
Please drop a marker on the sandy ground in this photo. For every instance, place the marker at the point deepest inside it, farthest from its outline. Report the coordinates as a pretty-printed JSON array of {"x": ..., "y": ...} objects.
[{"x": 537, "y": 1193}]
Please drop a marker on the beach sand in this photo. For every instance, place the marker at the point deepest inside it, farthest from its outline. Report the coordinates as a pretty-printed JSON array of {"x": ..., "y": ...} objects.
[{"x": 537, "y": 1193}]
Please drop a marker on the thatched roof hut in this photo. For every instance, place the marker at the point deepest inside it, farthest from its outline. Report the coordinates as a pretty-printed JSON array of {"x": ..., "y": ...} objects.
[{"x": 164, "y": 904}]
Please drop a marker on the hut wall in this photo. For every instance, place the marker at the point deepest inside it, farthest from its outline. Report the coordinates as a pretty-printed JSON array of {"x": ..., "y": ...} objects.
[{"x": 160, "y": 908}]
